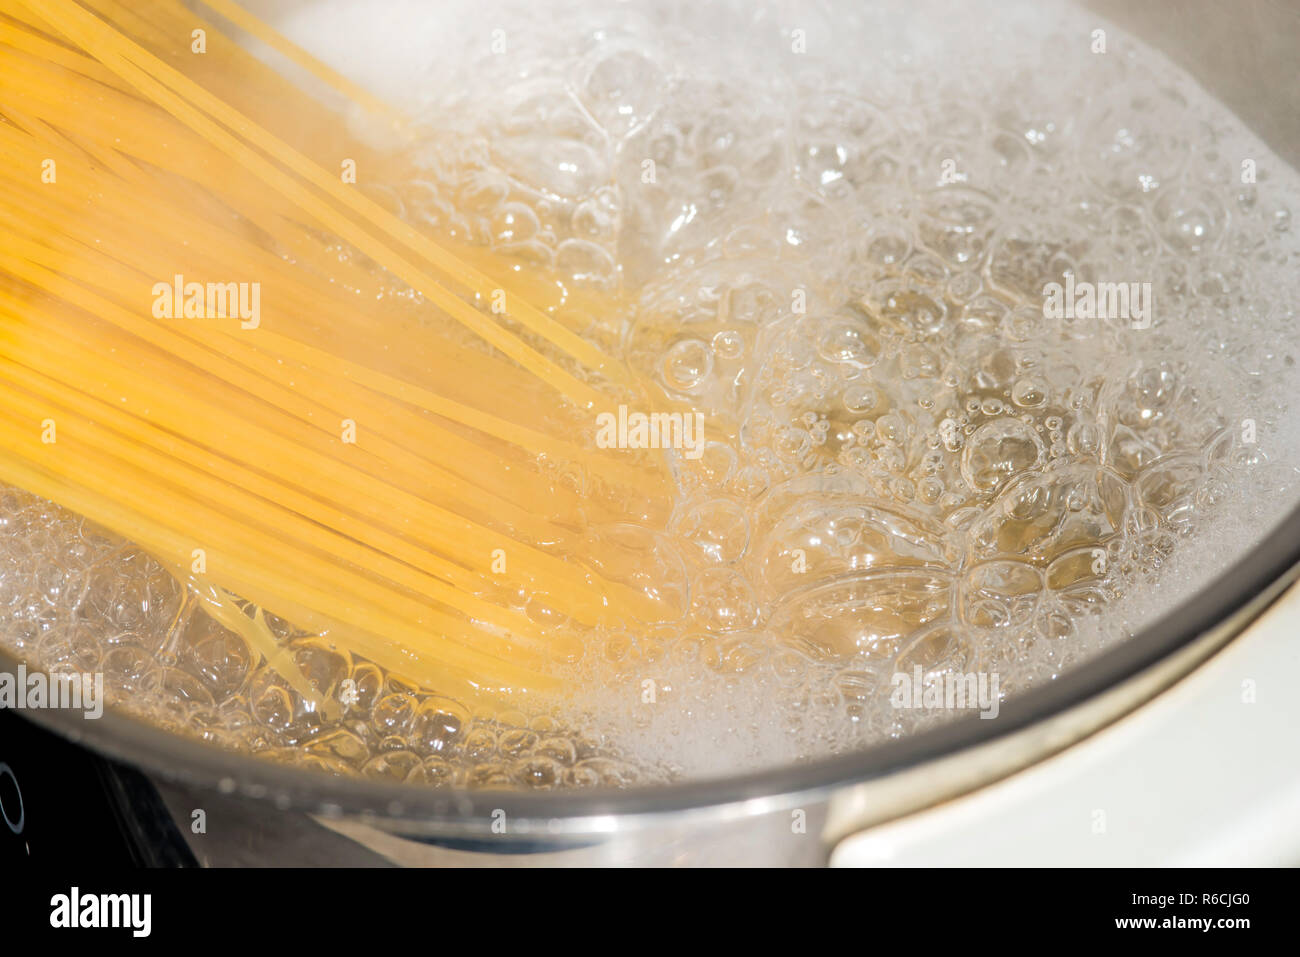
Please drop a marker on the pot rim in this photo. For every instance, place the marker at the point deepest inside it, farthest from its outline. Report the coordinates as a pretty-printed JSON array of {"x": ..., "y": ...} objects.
[{"x": 192, "y": 762}]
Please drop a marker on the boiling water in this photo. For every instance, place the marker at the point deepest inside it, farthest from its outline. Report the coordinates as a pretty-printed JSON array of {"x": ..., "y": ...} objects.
[{"x": 837, "y": 225}]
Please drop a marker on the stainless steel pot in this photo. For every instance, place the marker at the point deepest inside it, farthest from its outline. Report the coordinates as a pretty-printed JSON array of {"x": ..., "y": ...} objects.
[
  {"x": 257, "y": 812},
  {"x": 262, "y": 813}
]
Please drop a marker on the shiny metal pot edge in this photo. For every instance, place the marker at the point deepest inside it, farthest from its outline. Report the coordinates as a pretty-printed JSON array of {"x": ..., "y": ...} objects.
[{"x": 885, "y": 781}]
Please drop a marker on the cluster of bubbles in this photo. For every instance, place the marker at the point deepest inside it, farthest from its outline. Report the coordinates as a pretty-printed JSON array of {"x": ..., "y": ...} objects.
[
  {"x": 75, "y": 599},
  {"x": 840, "y": 256},
  {"x": 837, "y": 229}
]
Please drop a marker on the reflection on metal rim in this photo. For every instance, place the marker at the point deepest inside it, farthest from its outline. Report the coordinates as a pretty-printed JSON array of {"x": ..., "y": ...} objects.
[{"x": 948, "y": 760}]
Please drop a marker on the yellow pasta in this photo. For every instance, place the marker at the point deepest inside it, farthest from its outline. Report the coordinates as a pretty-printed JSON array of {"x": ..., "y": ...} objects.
[{"x": 416, "y": 540}]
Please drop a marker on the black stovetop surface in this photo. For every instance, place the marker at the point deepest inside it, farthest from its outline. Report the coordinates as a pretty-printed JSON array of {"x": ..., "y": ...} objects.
[{"x": 61, "y": 804}]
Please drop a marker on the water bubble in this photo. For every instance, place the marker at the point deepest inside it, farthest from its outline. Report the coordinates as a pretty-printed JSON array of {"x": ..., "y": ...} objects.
[
  {"x": 728, "y": 344},
  {"x": 718, "y": 528},
  {"x": 999, "y": 450},
  {"x": 1191, "y": 221},
  {"x": 723, "y": 601},
  {"x": 846, "y": 341},
  {"x": 687, "y": 364},
  {"x": 860, "y": 398},
  {"x": 515, "y": 223},
  {"x": 621, "y": 88},
  {"x": 1030, "y": 392}
]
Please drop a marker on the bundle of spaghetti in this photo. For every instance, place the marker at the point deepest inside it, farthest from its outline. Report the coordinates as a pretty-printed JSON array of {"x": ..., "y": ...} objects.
[{"x": 377, "y": 457}]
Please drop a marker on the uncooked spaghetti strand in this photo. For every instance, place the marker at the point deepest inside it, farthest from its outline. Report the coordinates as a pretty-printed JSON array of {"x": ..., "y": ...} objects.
[
  {"x": 616, "y": 471},
  {"x": 278, "y": 42},
  {"x": 288, "y": 528},
  {"x": 260, "y": 375},
  {"x": 84, "y": 199},
  {"x": 508, "y": 432},
  {"x": 250, "y": 580},
  {"x": 29, "y": 41},
  {"x": 70, "y": 457},
  {"x": 124, "y": 57},
  {"x": 217, "y": 426},
  {"x": 144, "y": 433},
  {"x": 479, "y": 283}
]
